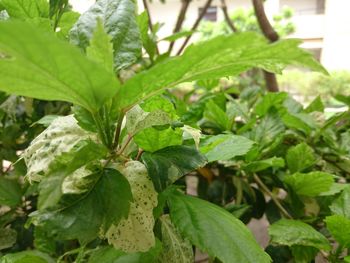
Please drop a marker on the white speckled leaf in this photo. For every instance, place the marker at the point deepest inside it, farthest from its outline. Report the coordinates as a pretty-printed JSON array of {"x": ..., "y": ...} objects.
[
  {"x": 175, "y": 248},
  {"x": 60, "y": 137},
  {"x": 135, "y": 234}
]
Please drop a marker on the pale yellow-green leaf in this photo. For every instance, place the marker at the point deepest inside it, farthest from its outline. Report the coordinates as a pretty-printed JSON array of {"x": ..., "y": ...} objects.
[
  {"x": 60, "y": 137},
  {"x": 135, "y": 234}
]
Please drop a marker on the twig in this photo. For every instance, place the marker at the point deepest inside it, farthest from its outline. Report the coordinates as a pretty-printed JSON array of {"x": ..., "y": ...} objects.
[
  {"x": 195, "y": 25},
  {"x": 271, "y": 35},
  {"x": 125, "y": 145},
  {"x": 180, "y": 19},
  {"x": 227, "y": 17},
  {"x": 139, "y": 154},
  {"x": 274, "y": 199}
]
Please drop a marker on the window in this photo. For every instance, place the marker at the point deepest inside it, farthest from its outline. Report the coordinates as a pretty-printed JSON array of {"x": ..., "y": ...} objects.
[
  {"x": 320, "y": 6},
  {"x": 211, "y": 14},
  {"x": 316, "y": 52}
]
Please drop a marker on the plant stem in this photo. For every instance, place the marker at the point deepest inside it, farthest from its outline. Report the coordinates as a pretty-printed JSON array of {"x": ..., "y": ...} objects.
[
  {"x": 125, "y": 145},
  {"x": 150, "y": 24},
  {"x": 100, "y": 129},
  {"x": 227, "y": 17},
  {"x": 195, "y": 25},
  {"x": 273, "y": 197},
  {"x": 118, "y": 130}
]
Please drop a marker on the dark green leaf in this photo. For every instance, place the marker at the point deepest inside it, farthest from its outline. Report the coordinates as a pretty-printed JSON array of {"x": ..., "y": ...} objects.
[
  {"x": 293, "y": 232},
  {"x": 10, "y": 192},
  {"x": 304, "y": 254},
  {"x": 50, "y": 69},
  {"x": 310, "y": 184},
  {"x": 270, "y": 100},
  {"x": 218, "y": 57},
  {"x": 8, "y": 237},
  {"x": 225, "y": 147},
  {"x": 119, "y": 21},
  {"x": 169, "y": 164},
  {"x": 214, "y": 230},
  {"x": 300, "y": 157},
  {"x": 216, "y": 115},
  {"x": 106, "y": 203}
]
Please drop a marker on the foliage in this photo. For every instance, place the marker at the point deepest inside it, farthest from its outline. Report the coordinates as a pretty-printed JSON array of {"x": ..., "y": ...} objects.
[{"x": 106, "y": 180}]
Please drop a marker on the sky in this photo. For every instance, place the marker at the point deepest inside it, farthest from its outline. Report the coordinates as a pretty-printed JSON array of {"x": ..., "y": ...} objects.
[{"x": 81, "y": 5}]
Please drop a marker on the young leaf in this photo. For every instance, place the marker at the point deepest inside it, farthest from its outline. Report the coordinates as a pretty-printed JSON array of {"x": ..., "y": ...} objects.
[
  {"x": 300, "y": 157},
  {"x": 216, "y": 115},
  {"x": 106, "y": 203},
  {"x": 149, "y": 44},
  {"x": 152, "y": 139},
  {"x": 214, "y": 230},
  {"x": 220, "y": 57},
  {"x": 36, "y": 64},
  {"x": 293, "y": 232},
  {"x": 10, "y": 192},
  {"x": 24, "y": 9},
  {"x": 60, "y": 137},
  {"x": 167, "y": 165},
  {"x": 32, "y": 256},
  {"x": 315, "y": 105},
  {"x": 341, "y": 205},
  {"x": 137, "y": 119},
  {"x": 310, "y": 184},
  {"x": 135, "y": 233},
  {"x": 339, "y": 226},
  {"x": 111, "y": 255},
  {"x": 100, "y": 49},
  {"x": 175, "y": 248},
  {"x": 270, "y": 100},
  {"x": 225, "y": 146},
  {"x": 119, "y": 21},
  {"x": 264, "y": 164}
]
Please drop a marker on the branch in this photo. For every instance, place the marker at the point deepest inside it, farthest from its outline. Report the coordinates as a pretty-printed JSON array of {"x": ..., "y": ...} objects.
[
  {"x": 271, "y": 35},
  {"x": 273, "y": 197},
  {"x": 195, "y": 25},
  {"x": 227, "y": 17},
  {"x": 180, "y": 19}
]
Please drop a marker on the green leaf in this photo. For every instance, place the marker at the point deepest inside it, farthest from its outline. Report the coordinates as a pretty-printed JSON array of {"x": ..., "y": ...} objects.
[
  {"x": 67, "y": 20},
  {"x": 10, "y": 192},
  {"x": 112, "y": 255},
  {"x": 29, "y": 256},
  {"x": 300, "y": 157},
  {"x": 304, "y": 254},
  {"x": 100, "y": 49},
  {"x": 216, "y": 115},
  {"x": 119, "y": 21},
  {"x": 214, "y": 230},
  {"x": 36, "y": 64},
  {"x": 299, "y": 121},
  {"x": 264, "y": 164},
  {"x": 175, "y": 248},
  {"x": 86, "y": 218},
  {"x": 341, "y": 205},
  {"x": 293, "y": 232},
  {"x": 225, "y": 147},
  {"x": 169, "y": 164},
  {"x": 24, "y": 9},
  {"x": 152, "y": 139},
  {"x": 310, "y": 184},
  {"x": 315, "y": 105},
  {"x": 270, "y": 100},
  {"x": 178, "y": 35},
  {"x": 148, "y": 42},
  {"x": 339, "y": 226},
  {"x": 135, "y": 233},
  {"x": 8, "y": 238},
  {"x": 60, "y": 137},
  {"x": 137, "y": 119},
  {"x": 219, "y": 57}
]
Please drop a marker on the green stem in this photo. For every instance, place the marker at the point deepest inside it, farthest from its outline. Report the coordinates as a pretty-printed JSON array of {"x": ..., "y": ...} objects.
[
  {"x": 100, "y": 129},
  {"x": 118, "y": 130},
  {"x": 273, "y": 197}
]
